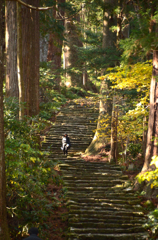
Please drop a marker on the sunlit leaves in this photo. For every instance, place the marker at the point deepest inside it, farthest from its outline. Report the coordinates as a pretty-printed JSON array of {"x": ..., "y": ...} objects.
[
  {"x": 131, "y": 84},
  {"x": 150, "y": 176},
  {"x": 137, "y": 76}
]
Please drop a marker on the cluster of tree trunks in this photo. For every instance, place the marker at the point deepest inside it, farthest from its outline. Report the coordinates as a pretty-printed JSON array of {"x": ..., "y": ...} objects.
[{"x": 22, "y": 55}]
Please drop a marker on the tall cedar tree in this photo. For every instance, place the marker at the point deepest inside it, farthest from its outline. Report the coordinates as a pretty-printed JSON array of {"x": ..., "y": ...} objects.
[
  {"x": 4, "y": 232},
  {"x": 108, "y": 40},
  {"x": 22, "y": 52},
  {"x": 11, "y": 50},
  {"x": 30, "y": 57},
  {"x": 55, "y": 42},
  {"x": 152, "y": 137}
]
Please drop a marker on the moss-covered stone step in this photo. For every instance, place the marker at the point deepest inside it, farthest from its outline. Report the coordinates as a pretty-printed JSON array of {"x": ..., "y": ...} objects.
[
  {"x": 103, "y": 199},
  {"x": 82, "y": 117},
  {"x": 105, "y": 208},
  {"x": 70, "y": 177},
  {"x": 111, "y": 220},
  {"x": 99, "y": 236},
  {"x": 105, "y": 225},
  {"x": 109, "y": 211},
  {"x": 104, "y": 191},
  {"x": 94, "y": 205},
  {"x": 94, "y": 193},
  {"x": 81, "y": 165},
  {"x": 82, "y": 217},
  {"x": 93, "y": 185},
  {"x": 106, "y": 230},
  {"x": 75, "y": 139}
]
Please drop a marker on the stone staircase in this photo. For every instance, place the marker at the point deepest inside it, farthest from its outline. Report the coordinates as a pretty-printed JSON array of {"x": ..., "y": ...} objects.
[
  {"x": 79, "y": 120},
  {"x": 100, "y": 200}
]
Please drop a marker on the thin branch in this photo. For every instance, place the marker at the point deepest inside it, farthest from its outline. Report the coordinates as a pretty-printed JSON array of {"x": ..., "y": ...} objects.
[
  {"x": 44, "y": 9},
  {"x": 32, "y": 7}
]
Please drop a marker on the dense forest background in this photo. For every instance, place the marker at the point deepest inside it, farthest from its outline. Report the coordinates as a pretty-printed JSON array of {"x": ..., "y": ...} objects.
[{"x": 55, "y": 51}]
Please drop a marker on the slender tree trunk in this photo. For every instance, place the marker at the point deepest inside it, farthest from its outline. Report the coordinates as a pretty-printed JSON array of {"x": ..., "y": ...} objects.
[
  {"x": 11, "y": 50},
  {"x": 55, "y": 45},
  {"x": 67, "y": 56},
  {"x": 72, "y": 35},
  {"x": 119, "y": 34},
  {"x": 84, "y": 20},
  {"x": 4, "y": 231},
  {"x": 19, "y": 62},
  {"x": 30, "y": 57},
  {"x": 152, "y": 147},
  {"x": 144, "y": 136},
  {"x": 114, "y": 122},
  {"x": 101, "y": 136}
]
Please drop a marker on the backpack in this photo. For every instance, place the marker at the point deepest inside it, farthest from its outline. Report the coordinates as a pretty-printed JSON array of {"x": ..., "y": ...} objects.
[{"x": 68, "y": 141}]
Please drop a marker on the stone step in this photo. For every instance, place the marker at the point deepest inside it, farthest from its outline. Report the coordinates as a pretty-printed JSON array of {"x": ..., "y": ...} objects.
[
  {"x": 96, "y": 169},
  {"x": 92, "y": 185},
  {"x": 79, "y": 218},
  {"x": 89, "y": 187},
  {"x": 88, "y": 200},
  {"x": 58, "y": 139},
  {"x": 105, "y": 230},
  {"x": 112, "y": 207},
  {"x": 93, "y": 191},
  {"x": 83, "y": 117},
  {"x": 105, "y": 206},
  {"x": 70, "y": 177},
  {"x": 79, "y": 110},
  {"x": 97, "y": 217},
  {"x": 80, "y": 163},
  {"x": 103, "y": 224},
  {"x": 99, "y": 236}
]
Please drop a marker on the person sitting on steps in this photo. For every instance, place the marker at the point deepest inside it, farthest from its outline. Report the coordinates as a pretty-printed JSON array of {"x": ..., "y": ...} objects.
[
  {"x": 65, "y": 143},
  {"x": 33, "y": 232}
]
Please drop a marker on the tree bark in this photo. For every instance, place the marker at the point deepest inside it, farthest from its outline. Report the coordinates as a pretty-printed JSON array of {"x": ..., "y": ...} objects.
[
  {"x": 101, "y": 135},
  {"x": 114, "y": 122},
  {"x": 101, "y": 138},
  {"x": 4, "y": 231},
  {"x": 152, "y": 137},
  {"x": 11, "y": 50},
  {"x": 72, "y": 35},
  {"x": 19, "y": 62},
  {"x": 55, "y": 45},
  {"x": 30, "y": 58}
]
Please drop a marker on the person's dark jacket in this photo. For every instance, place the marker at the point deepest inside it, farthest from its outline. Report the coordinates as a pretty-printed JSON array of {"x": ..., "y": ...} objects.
[
  {"x": 68, "y": 141},
  {"x": 32, "y": 237}
]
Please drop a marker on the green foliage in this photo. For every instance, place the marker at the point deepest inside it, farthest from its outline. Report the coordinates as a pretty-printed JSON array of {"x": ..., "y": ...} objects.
[
  {"x": 134, "y": 149},
  {"x": 28, "y": 170},
  {"x": 152, "y": 222},
  {"x": 51, "y": 99},
  {"x": 143, "y": 36},
  {"x": 150, "y": 176},
  {"x": 130, "y": 85}
]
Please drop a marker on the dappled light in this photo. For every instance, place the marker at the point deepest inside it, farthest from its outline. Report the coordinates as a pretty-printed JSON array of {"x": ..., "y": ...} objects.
[{"x": 78, "y": 120}]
